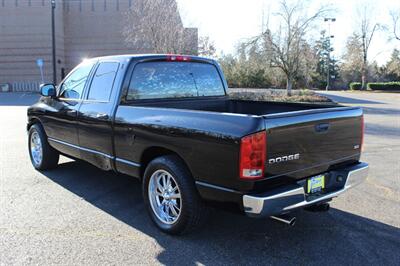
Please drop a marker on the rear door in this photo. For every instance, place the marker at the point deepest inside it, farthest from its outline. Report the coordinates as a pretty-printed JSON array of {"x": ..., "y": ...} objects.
[
  {"x": 95, "y": 116},
  {"x": 305, "y": 143}
]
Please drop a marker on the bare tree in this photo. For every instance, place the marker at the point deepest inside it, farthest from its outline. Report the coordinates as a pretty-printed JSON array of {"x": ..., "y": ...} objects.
[
  {"x": 155, "y": 26},
  {"x": 396, "y": 23},
  {"x": 284, "y": 46},
  {"x": 352, "y": 59},
  {"x": 367, "y": 29},
  {"x": 207, "y": 47}
]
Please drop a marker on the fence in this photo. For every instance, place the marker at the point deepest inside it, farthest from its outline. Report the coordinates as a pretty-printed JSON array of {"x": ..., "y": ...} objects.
[{"x": 22, "y": 86}]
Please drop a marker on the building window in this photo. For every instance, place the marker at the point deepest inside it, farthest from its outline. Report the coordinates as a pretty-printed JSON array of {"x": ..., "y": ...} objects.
[
  {"x": 92, "y": 5},
  {"x": 130, "y": 3},
  {"x": 117, "y": 5}
]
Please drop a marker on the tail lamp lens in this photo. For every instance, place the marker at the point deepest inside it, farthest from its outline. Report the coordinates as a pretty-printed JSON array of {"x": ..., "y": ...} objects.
[
  {"x": 252, "y": 156},
  {"x": 362, "y": 132}
]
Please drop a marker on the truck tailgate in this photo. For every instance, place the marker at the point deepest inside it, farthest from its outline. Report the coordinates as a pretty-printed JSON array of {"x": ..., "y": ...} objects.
[{"x": 306, "y": 143}]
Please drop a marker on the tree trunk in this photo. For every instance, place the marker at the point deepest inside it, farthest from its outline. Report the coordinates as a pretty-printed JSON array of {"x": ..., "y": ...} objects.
[
  {"x": 364, "y": 74},
  {"x": 289, "y": 85},
  {"x": 363, "y": 81}
]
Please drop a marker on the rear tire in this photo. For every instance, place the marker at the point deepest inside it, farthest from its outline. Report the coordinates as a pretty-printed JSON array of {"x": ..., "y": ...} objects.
[
  {"x": 43, "y": 156},
  {"x": 175, "y": 205}
]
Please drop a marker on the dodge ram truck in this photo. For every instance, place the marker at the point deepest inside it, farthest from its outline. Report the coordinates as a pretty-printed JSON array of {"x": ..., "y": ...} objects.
[{"x": 168, "y": 121}]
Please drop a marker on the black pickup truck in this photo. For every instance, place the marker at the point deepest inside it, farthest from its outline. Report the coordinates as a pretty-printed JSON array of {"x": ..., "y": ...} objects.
[{"x": 167, "y": 120}]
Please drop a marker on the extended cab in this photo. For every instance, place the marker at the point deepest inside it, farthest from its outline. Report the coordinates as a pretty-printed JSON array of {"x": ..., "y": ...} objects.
[{"x": 167, "y": 120}]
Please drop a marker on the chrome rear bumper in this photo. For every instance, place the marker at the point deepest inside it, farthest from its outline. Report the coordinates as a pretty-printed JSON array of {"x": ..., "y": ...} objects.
[{"x": 285, "y": 200}]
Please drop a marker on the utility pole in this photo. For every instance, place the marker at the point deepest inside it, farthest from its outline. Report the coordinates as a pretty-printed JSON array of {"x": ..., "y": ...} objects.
[
  {"x": 53, "y": 40},
  {"x": 328, "y": 67},
  {"x": 262, "y": 19}
]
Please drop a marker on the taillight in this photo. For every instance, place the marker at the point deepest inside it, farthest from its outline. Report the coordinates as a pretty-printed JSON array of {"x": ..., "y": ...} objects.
[
  {"x": 362, "y": 132},
  {"x": 252, "y": 156},
  {"x": 178, "y": 58}
]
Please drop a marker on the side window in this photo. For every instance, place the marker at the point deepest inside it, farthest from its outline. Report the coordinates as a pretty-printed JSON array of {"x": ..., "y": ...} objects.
[
  {"x": 103, "y": 81},
  {"x": 72, "y": 87}
]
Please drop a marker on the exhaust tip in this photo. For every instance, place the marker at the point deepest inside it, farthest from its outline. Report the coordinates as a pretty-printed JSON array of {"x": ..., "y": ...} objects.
[{"x": 290, "y": 221}]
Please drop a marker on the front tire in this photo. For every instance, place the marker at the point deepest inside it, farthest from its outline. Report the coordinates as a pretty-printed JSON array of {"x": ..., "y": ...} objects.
[
  {"x": 170, "y": 196},
  {"x": 43, "y": 156}
]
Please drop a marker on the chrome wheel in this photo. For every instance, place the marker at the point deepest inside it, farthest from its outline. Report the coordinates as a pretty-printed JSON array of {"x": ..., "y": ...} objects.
[
  {"x": 36, "y": 148},
  {"x": 165, "y": 197}
]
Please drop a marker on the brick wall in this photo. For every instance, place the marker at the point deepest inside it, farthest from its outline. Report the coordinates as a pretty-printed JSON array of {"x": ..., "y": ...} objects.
[
  {"x": 84, "y": 28},
  {"x": 25, "y": 35}
]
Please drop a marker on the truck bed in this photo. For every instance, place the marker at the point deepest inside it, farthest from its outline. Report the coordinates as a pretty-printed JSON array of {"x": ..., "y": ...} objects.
[
  {"x": 324, "y": 136},
  {"x": 226, "y": 105}
]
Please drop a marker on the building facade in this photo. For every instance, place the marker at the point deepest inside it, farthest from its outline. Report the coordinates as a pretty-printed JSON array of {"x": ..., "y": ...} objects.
[{"x": 83, "y": 29}]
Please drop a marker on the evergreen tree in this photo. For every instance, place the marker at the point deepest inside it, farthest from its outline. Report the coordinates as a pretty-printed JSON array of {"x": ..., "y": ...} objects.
[
  {"x": 392, "y": 67},
  {"x": 323, "y": 47}
]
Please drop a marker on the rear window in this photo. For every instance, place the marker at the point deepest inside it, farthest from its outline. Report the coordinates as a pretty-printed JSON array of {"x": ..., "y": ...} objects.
[{"x": 151, "y": 80}]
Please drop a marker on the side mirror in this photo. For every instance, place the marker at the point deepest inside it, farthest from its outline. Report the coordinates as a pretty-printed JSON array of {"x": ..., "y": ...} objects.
[{"x": 48, "y": 90}]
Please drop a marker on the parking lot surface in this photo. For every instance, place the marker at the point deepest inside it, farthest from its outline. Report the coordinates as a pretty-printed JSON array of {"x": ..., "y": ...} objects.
[{"x": 78, "y": 215}]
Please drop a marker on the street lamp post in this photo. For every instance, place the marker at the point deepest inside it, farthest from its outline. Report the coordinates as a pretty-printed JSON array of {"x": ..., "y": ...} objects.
[
  {"x": 53, "y": 41},
  {"x": 328, "y": 77}
]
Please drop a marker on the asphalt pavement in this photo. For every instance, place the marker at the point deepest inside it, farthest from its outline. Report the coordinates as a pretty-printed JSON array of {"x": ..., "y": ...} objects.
[{"x": 79, "y": 215}]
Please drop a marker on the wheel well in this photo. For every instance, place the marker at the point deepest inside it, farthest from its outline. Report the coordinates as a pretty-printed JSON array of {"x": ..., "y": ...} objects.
[
  {"x": 153, "y": 152},
  {"x": 32, "y": 122}
]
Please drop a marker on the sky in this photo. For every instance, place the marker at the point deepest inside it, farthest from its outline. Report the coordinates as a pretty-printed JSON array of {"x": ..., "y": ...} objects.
[{"x": 228, "y": 22}]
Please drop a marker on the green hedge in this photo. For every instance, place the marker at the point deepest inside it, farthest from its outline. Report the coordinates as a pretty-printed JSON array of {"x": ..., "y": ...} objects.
[
  {"x": 383, "y": 86},
  {"x": 355, "y": 86},
  {"x": 394, "y": 85}
]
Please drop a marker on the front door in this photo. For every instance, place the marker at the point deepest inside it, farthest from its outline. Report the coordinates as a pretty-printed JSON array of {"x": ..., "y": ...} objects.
[{"x": 61, "y": 122}]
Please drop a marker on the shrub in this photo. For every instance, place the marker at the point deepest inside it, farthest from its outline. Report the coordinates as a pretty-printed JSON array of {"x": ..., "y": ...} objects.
[
  {"x": 355, "y": 86},
  {"x": 277, "y": 95},
  {"x": 394, "y": 85}
]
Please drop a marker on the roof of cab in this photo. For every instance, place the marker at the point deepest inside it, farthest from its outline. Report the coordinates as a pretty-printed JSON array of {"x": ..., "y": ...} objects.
[{"x": 129, "y": 57}]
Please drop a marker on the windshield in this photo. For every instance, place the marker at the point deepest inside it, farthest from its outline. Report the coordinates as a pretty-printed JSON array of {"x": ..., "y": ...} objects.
[{"x": 152, "y": 80}]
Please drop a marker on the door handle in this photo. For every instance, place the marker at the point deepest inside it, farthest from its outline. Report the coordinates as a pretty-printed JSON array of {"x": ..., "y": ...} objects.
[
  {"x": 102, "y": 116},
  {"x": 71, "y": 112},
  {"x": 322, "y": 127}
]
